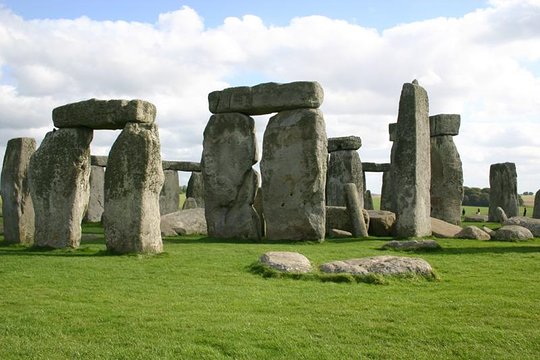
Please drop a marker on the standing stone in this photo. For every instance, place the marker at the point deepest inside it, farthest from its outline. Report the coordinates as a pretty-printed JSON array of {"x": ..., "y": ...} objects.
[
  {"x": 446, "y": 169},
  {"x": 17, "y": 208},
  {"x": 503, "y": 190},
  {"x": 97, "y": 194},
  {"x": 359, "y": 228},
  {"x": 59, "y": 183},
  {"x": 368, "y": 200},
  {"x": 293, "y": 168},
  {"x": 230, "y": 183},
  {"x": 133, "y": 181},
  {"x": 169, "y": 197},
  {"x": 412, "y": 163},
  {"x": 387, "y": 191},
  {"x": 344, "y": 167},
  {"x": 195, "y": 188},
  {"x": 536, "y": 210}
]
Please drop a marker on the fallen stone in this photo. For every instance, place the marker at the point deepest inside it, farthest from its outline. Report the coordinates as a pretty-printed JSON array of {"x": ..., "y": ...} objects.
[
  {"x": 444, "y": 124},
  {"x": 487, "y": 230},
  {"x": 473, "y": 232},
  {"x": 291, "y": 262},
  {"x": 266, "y": 98},
  {"x": 383, "y": 265},
  {"x": 512, "y": 233},
  {"x": 338, "y": 234},
  {"x": 411, "y": 245},
  {"x": 344, "y": 143},
  {"x": 184, "y": 222},
  {"x": 104, "y": 114},
  {"x": 532, "y": 224},
  {"x": 381, "y": 222},
  {"x": 503, "y": 190},
  {"x": 476, "y": 218},
  {"x": 94, "y": 212},
  {"x": 442, "y": 229}
]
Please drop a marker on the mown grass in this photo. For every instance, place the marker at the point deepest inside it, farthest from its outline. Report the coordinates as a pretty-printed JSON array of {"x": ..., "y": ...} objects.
[{"x": 199, "y": 300}]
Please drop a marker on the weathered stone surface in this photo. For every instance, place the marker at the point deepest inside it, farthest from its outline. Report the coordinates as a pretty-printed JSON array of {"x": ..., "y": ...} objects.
[
  {"x": 446, "y": 176},
  {"x": 443, "y": 229},
  {"x": 392, "y": 132},
  {"x": 97, "y": 160},
  {"x": 285, "y": 261},
  {"x": 184, "y": 222},
  {"x": 503, "y": 190},
  {"x": 258, "y": 206},
  {"x": 342, "y": 143},
  {"x": 169, "y": 197},
  {"x": 386, "y": 191},
  {"x": 356, "y": 215},
  {"x": 59, "y": 175},
  {"x": 266, "y": 98},
  {"x": 229, "y": 151},
  {"x": 412, "y": 245},
  {"x": 339, "y": 234},
  {"x": 368, "y": 200},
  {"x": 337, "y": 217},
  {"x": 512, "y": 233},
  {"x": 133, "y": 181},
  {"x": 500, "y": 215},
  {"x": 104, "y": 114},
  {"x": 473, "y": 232},
  {"x": 94, "y": 212},
  {"x": 195, "y": 188},
  {"x": 188, "y": 166},
  {"x": 411, "y": 167},
  {"x": 475, "y": 218},
  {"x": 293, "y": 171},
  {"x": 384, "y": 265},
  {"x": 190, "y": 203},
  {"x": 375, "y": 167},
  {"x": 536, "y": 210},
  {"x": 343, "y": 167},
  {"x": 488, "y": 231},
  {"x": 381, "y": 222},
  {"x": 17, "y": 208},
  {"x": 444, "y": 124},
  {"x": 532, "y": 224}
]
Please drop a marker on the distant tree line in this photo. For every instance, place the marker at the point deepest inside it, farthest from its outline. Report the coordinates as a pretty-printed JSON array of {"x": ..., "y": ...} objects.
[{"x": 474, "y": 196}]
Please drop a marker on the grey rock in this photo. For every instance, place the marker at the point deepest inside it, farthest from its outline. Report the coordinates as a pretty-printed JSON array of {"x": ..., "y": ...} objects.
[
  {"x": 536, "y": 209},
  {"x": 337, "y": 217},
  {"x": 384, "y": 265},
  {"x": 59, "y": 175},
  {"x": 500, "y": 214},
  {"x": 230, "y": 183},
  {"x": 291, "y": 262},
  {"x": 392, "y": 132},
  {"x": 188, "y": 166},
  {"x": 473, "y": 232},
  {"x": 388, "y": 194},
  {"x": 386, "y": 191},
  {"x": 104, "y": 114},
  {"x": 96, "y": 202},
  {"x": 475, "y": 218},
  {"x": 190, "y": 203},
  {"x": 532, "y": 224},
  {"x": 444, "y": 124},
  {"x": 368, "y": 200},
  {"x": 344, "y": 143},
  {"x": 17, "y": 207},
  {"x": 512, "y": 233},
  {"x": 381, "y": 222},
  {"x": 339, "y": 234},
  {"x": 97, "y": 160},
  {"x": 293, "y": 171},
  {"x": 487, "y": 230},
  {"x": 443, "y": 229},
  {"x": 356, "y": 214},
  {"x": 184, "y": 222},
  {"x": 412, "y": 245},
  {"x": 375, "y": 167},
  {"x": 133, "y": 181},
  {"x": 503, "y": 190},
  {"x": 169, "y": 196},
  {"x": 195, "y": 188},
  {"x": 258, "y": 206},
  {"x": 343, "y": 167},
  {"x": 266, "y": 98},
  {"x": 411, "y": 166}
]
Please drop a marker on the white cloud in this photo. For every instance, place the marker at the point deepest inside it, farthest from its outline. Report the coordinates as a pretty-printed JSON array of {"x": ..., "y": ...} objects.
[{"x": 483, "y": 66}]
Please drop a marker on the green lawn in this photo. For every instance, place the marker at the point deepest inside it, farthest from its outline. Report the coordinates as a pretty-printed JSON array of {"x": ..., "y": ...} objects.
[{"x": 199, "y": 301}]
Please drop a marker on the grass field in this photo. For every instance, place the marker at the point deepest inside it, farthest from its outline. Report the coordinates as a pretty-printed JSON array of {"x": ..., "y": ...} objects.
[{"x": 199, "y": 301}]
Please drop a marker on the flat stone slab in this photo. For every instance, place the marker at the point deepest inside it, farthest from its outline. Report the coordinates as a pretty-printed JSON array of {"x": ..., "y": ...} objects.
[
  {"x": 383, "y": 265},
  {"x": 291, "y": 262},
  {"x": 412, "y": 245},
  {"x": 475, "y": 218},
  {"x": 103, "y": 114},
  {"x": 532, "y": 224},
  {"x": 473, "y": 232},
  {"x": 344, "y": 143},
  {"x": 188, "y": 166},
  {"x": 338, "y": 234},
  {"x": 375, "y": 167},
  {"x": 444, "y": 124},
  {"x": 512, "y": 233},
  {"x": 184, "y": 222},
  {"x": 443, "y": 229},
  {"x": 266, "y": 98}
]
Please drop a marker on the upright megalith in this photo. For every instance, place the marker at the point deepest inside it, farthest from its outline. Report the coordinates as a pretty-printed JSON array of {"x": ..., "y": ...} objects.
[
  {"x": 411, "y": 167},
  {"x": 17, "y": 208},
  {"x": 503, "y": 190},
  {"x": 356, "y": 215},
  {"x": 59, "y": 175},
  {"x": 387, "y": 191},
  {"x": 97, "y": 194},
  {"x": 293, "y": 168},
  {"x": 169, "y": 197},
  {"x": 230, "y": 182},
  {"x": 195, "y": 188},
  {"x": 536, "y": 209},
  {"x": 344, "y": 166},
  {"x": 446, "y": 169},
  {"x": 133, "y": 181}
]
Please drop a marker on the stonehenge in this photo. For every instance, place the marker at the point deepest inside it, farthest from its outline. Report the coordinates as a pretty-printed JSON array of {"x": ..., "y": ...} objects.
[
  {"x": 344, "y": 166},
  {"x": 503, "y": 190},
  {"x": 536, "y": 209},
  {"x": 387, "y": 190}
]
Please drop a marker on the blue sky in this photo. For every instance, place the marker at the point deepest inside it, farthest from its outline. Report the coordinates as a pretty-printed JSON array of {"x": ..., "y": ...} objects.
[{"x": 480, "y": 59}]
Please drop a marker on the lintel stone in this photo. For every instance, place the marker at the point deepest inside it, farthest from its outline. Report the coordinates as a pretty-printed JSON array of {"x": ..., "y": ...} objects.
[
  {"x": 188, "y": 166},
  {"x": 344, "y": 143},
  {"x": 444, "y": 124},
  {"x": 375, "y": 167}
]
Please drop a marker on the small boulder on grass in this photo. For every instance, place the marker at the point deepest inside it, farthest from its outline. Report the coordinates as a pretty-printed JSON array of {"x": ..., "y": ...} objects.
[
  {"x": 339, "y": 234},
  {"x": 443, "y": 229},
  {"x": 412, "y": 245},
  {"x": 381, "y": 265},
  {"x": 473, "y": 232},
  {"x": 285, "y": 261},
  {"x": 532, "y": 224},
  {"x": 512, "y": 233}
]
